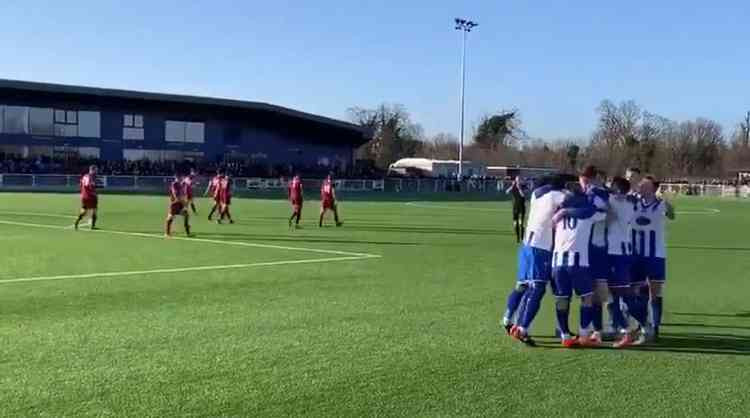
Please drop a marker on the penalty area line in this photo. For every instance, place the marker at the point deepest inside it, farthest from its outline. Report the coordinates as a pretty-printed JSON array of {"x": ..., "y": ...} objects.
[
  {"x": 181, "y": 270},
  {"x": 210, "y": 241}
]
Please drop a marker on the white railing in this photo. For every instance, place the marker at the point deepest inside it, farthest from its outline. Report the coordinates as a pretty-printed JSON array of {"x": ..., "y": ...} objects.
[
  {"x": 715, "y": 190},
  {"x": 152, "y": 183}
]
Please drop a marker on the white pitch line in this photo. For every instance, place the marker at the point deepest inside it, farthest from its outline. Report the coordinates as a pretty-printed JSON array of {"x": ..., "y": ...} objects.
[
  {"x": 698, "y": 212},
  {"x": 180, "y": 270},
  {"x": 211, "y": 241},
  {"x": 428, "y": 206},
  {"x": 88, "y": 223}
]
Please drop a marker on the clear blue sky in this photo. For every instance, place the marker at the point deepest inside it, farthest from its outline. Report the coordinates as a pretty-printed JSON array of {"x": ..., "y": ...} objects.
[{"x": 555, "y": 62}]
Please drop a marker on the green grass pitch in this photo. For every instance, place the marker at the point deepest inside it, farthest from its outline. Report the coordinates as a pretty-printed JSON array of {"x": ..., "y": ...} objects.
[{"x": 402, "y": 320}]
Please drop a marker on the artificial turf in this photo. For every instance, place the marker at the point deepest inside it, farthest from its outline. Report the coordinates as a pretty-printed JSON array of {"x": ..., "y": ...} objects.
[{"x": 408, "y": 326}]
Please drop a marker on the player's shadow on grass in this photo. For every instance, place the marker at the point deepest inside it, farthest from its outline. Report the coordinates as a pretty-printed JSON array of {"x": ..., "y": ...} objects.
[
  {"x": 700, "y": 343},
  {"x": 266, "y": 238},
  {"x": 701, "y": 248},
  {"x": 735, "y": 315},
  {"x": 425, "y": 230}
]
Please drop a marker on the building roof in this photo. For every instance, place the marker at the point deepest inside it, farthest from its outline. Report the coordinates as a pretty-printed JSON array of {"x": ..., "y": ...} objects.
[{"x": 176, "y": 98}]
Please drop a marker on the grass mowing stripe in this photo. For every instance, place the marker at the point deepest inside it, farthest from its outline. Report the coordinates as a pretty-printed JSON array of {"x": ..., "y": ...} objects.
[
  {"x": 39, "y": 214},
  {"x": 183, "y": 269},
  {"x": 211, "y": 241}
]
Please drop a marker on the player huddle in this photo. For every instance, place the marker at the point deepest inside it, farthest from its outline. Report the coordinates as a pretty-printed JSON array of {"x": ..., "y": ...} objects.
[
  {"x": 180, "y": 194},
  {"x": 606, "y": 245}
]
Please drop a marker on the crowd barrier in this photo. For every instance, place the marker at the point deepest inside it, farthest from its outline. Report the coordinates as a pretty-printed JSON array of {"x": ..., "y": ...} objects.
[
  {"x": 53, "y": 182},
  {"x": 56, "y": 182},
  {"x": 711, "y": 190}
]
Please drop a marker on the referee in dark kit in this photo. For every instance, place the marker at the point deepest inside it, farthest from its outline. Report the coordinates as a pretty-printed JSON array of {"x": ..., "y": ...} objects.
[{"x": 519, "y": 207}]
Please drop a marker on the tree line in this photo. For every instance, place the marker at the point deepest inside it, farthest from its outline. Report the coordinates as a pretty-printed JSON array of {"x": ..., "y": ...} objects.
[{"x": 625, "y": 135}]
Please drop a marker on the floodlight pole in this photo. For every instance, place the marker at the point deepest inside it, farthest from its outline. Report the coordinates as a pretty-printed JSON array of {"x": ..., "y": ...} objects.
[{"x": 465, "y": 26}]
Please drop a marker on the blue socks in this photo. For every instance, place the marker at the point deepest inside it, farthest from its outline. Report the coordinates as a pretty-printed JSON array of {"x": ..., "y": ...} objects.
[
  {"x": 533, "y": 303},
  {"x": 615, "y": 312},
  {"x": 587, "y": 316},
  {"x": 597, "y": 316},
  {"x": 514, "y": 301},
  {"x": 657, "y": 304},
  {"x": 562, "y": 320},
  {"x": 637, "y": 309}
]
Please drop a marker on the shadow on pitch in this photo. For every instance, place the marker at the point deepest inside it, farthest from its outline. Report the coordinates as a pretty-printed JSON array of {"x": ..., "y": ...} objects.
[
  {"x": 677, "y": 342},
  {"x": 700, "y": 343},
  {"x": 691, "y": 247},
  {"x": 425, "y": 230},
  {"x": 266, "y": 238},
  {"x": 735, "y": 315},
  {"x": 394, "y": 228}
]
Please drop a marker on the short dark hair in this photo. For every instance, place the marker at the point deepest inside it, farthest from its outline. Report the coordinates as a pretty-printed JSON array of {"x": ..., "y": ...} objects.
[
  {"x": 590, "y": 171},
  {"x": 621, "y": 185},
  {"x": 653, "y": 180},
  {"x": 634, "y": 170},
  {"x": 557, "y": 182}
]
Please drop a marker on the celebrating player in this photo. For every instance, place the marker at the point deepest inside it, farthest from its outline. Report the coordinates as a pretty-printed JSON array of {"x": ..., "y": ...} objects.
[
  {"x": 649, "y": 262},
  {"x": 633, "y": 175},
  {"x": 519, "y": 207},
  {"x": 225, "y": 198},
  {"x": 591, "y": 184},
  {"x": 622, "y": 206},
  {"x": 296, "y": 200},
  {"x": 89, "y": 199},
  {"x": 328, "y": 201},
  {"x": 571, "y": 268},
  {"x": 534, "y": 260},
  {"x": 189, "y": 181},
  {"x": 213, "y": 190},
  {"x": 177, "y": 205}
]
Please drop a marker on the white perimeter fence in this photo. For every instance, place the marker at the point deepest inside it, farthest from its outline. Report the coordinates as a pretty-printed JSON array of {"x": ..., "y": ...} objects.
[{"x": 56, "y": 182}]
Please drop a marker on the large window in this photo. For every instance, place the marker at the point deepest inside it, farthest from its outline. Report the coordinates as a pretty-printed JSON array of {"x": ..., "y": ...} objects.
[
  {"x": 49, "y": 122},
  {"x": 180, "y": 131},
  {"x": 41, "y": 121},
  {"x": 66, "y": 123},
  {"x": 16, "y": 120},
  {"x": 89, "y": 124},
  {"x": 132, "y": 154},
  {"x": 132, "y": 127}
]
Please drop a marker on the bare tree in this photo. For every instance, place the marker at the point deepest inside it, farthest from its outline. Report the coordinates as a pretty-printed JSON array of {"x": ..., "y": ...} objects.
[
  {"x": 394, "y": 135},
  {"x": 498, "y": 130},
  {"x": 441, "y": 147}
]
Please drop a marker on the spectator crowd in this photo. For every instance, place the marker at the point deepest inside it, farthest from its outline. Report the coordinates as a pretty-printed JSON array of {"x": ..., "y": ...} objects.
[{"x": 48, "y": 165}]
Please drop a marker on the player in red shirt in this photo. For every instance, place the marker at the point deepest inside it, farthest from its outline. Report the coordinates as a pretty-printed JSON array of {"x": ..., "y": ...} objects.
[
  {"x": 177, "y": 205},
  {"x": 328, "y": 201},
  {"x": 296, "y": 199},
  {"x": 89, "y": 199},
  {"x": 189, "y": 182},
  {"x": 225, "y": 198},
  {"x": 213, "y": 189}
]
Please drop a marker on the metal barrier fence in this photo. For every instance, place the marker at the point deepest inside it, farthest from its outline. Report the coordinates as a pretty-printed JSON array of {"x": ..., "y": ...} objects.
[
  {"x": 706, "y": 190},
  {"x": 54, "y": 182}
]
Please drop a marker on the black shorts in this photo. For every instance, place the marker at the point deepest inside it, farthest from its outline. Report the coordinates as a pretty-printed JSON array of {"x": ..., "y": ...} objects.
[{"x": 519, "y": 212}]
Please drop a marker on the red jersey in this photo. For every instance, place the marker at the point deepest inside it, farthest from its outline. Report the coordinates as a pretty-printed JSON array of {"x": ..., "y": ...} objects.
[
  {"x": 188, "y": 182},
  {"x": 295, "y": 189},
  {"x": 225, "y": 188},
  {"x": 88, "y": 187},
  {"x": 177, "y": 192},
  {"x": 326, "y": 190},
  {"x": 215, "y": 186}
]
